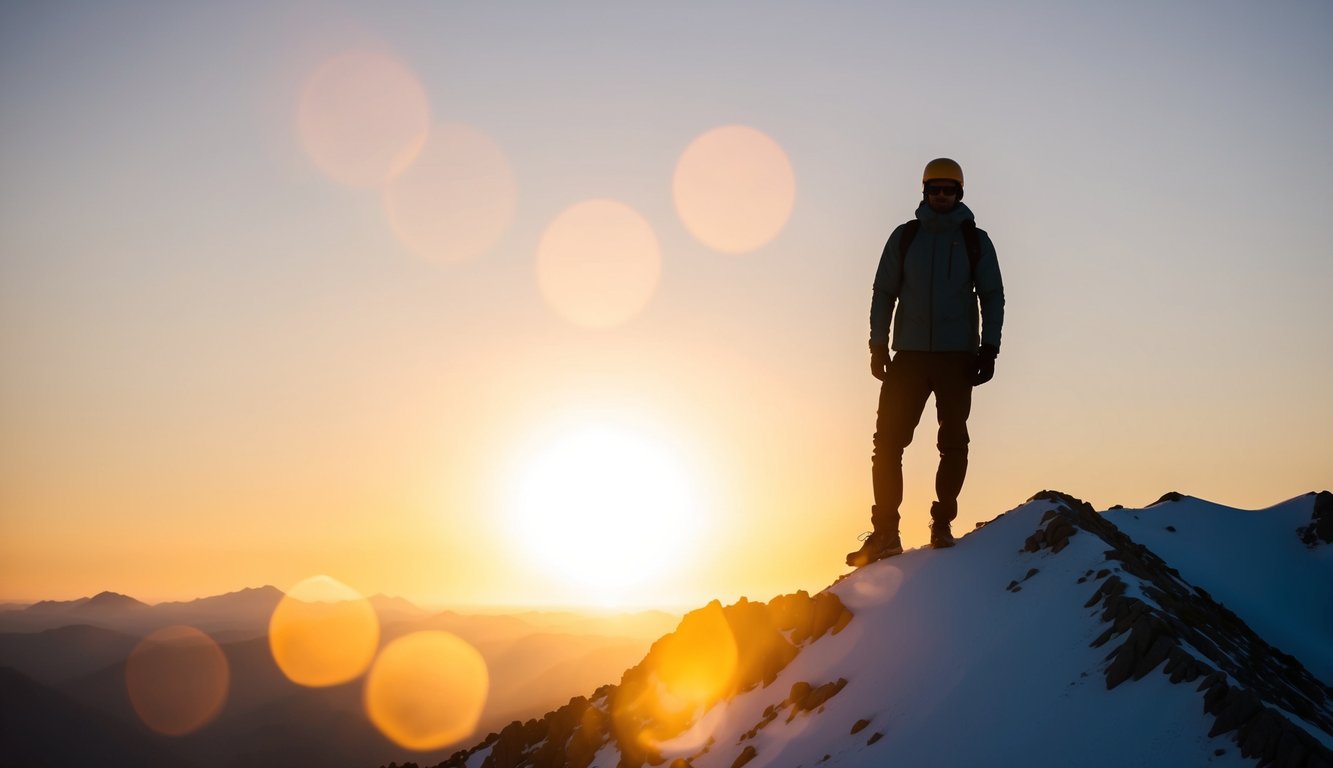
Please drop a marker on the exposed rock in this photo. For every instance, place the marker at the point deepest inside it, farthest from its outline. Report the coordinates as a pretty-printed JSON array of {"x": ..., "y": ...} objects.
[
  {"x": 860, "y": 726},
  {"x": 1014, "y": 585},
  {"x": 761, "y": 639},
  {"x": 1112, "y": 587},
  {"x": 1055, "y": 528},
  {"x": 1051, "y": 496},
  {"x": 807, "y": 698},
  {"x": 770, "y": 714},
  {"x": 1197, "y": 638},
  {"x": 799, "y": 690},
  {"x": 746, "y": 755},
  {"x": 1232, "y": 708},
  {"x": 590, "y": 736},
  {"x": 1182, "y": 667},
  {"x": 874, "y": 738},
  {"x": 809, "y": 618},
  {"x": 1320, "y": 529},
  {"x": 1169, "y": 496},
  {"x": 818, "y": 696}
]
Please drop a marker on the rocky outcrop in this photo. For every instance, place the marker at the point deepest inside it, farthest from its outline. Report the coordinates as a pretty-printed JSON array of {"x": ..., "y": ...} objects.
[
  {"x": 689, "y": 664},
  {"x": 1246, "y": 683},
  {"x": 803, "y": 697},
  {"x": 1320, "y": 529},
  {"x": 715, "y": 653},
  {"x": 812, "y": 698},
  {"x": 1054, "y": 531}
]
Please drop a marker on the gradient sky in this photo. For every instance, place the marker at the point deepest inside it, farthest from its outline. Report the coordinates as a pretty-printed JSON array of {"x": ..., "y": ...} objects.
[{"x": 221, "y": 367}]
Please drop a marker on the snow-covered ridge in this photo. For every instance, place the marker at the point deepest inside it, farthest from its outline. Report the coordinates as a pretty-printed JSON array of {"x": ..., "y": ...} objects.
[
  {"x": 1049, "y": 636},
  {"x": 1247, "y": 683}
]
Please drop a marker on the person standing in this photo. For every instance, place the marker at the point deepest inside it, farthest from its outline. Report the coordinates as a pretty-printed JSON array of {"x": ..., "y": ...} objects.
[{"x": 933, "y": 274}]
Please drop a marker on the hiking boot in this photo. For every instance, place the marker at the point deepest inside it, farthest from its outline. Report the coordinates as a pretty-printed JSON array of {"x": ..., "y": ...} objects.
[
  {"x": 875, "y": 546},
  {"x": 940, "y": 536}
]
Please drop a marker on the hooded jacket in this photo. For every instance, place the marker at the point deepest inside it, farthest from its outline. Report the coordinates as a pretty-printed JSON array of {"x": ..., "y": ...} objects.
[{"x": 937, "y": 302}]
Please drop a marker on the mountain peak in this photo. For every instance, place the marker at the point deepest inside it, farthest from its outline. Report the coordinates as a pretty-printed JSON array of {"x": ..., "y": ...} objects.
[
  {"x": 112, "y": 600},
  {"x": 262, "y": 594},
  {"x": 1169, "y": 497},
  {"x": 1099, "y": 650}
]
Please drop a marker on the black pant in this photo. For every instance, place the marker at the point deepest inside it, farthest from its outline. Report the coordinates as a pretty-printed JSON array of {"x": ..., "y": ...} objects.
[{"x": 912, "y": 378}]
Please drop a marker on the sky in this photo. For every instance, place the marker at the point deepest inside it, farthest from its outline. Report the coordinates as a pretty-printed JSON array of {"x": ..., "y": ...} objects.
[{"x": 539, "y": 305}]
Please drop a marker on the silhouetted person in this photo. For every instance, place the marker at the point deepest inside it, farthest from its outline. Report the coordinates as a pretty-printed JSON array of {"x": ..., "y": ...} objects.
[{"x": 934, "y": 270}]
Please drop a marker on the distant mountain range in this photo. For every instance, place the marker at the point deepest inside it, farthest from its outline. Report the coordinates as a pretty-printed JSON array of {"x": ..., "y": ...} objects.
[
  {"x": 63, "y": 698},
  {"x": 239, "y": 614},
  {"x": 1185, "y": 633}
]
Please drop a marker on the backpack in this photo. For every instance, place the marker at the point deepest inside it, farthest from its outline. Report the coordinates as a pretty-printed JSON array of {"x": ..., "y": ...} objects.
[{"x": 971, "y": 239}]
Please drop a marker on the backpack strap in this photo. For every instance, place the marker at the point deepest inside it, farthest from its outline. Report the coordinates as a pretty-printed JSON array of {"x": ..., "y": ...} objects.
[
  {"x": 904, "y": 242},
  {"x": 971, "y": 239}
]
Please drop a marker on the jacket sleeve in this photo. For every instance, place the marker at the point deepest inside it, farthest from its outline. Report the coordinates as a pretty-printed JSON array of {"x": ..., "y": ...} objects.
[
  {"x": 990, "y": 290},
  {"x": 884, "y": 292}
]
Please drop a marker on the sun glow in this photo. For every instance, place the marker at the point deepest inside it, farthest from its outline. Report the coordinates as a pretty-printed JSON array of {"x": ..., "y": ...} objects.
[{"x": 607, "y": 508}]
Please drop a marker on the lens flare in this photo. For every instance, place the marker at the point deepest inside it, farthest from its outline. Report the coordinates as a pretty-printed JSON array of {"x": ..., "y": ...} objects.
[
  {"x": 734, "y": 188},
  {"x": 875, "y": 585},
  {"x": 456, "y": 200},
  {"x": 698, "y": 661},
  {"x": 362, "y": 118},
  {"x": 323, "y": 633},
  {"x": 684, "y": 674},
  {"x": 427, "y": 690},
  {"x": 177, "y": 679},
  {"x": 598, "y": 263}
]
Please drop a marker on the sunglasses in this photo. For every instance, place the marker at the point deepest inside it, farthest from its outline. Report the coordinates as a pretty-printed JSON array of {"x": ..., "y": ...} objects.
[{"x": 942, "y": 189}]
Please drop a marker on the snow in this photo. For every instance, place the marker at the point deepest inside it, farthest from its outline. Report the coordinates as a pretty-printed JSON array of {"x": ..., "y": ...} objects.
[
  {"x": 953, "y": 669},
  {"x": 1252, "y": 562},
  {"x": 982, "y": 654},
  {"x": 477, "y": 758},
  {"x": 607, "y": 757}
]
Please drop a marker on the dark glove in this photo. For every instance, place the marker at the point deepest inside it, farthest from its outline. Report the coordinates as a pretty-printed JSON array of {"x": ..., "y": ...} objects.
[
  {"x": 984, "y": 369},
  {"x": 879, "y": 360}
]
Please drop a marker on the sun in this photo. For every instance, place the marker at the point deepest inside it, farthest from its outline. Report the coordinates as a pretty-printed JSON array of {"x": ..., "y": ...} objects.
[{"x": 607, "y": 508}]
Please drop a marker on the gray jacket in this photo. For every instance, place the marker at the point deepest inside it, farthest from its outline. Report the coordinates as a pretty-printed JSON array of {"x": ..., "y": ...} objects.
[{"x": 937, "y": 303}]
